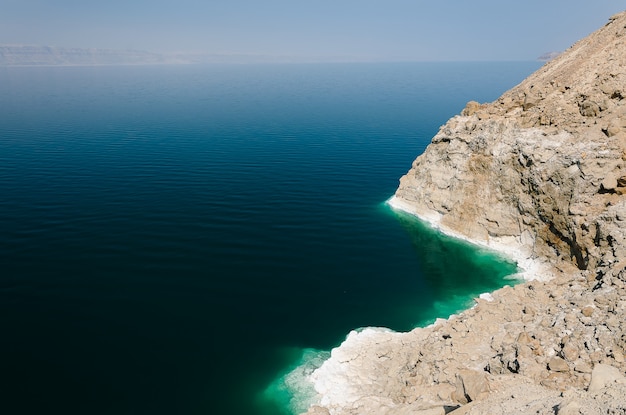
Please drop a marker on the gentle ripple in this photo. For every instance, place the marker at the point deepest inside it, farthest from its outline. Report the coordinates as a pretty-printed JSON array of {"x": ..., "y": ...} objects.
[{"x": 172, "y": 237}]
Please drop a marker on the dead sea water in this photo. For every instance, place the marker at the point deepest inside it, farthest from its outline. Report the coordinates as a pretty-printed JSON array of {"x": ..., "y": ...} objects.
[{"x": 174, "y": 237}]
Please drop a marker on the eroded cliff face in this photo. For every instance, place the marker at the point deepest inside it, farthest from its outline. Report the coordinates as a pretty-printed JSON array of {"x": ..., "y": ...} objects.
[
  {"x": 543, "y": 167},
  {"x": 541, "y": 175}
]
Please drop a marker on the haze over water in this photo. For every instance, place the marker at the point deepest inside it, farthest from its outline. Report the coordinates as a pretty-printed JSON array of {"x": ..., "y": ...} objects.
[{"x": 172, "y": 237}]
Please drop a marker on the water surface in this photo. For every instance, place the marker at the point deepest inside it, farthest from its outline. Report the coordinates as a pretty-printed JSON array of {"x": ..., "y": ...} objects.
[{"x": 172, "y": 237}]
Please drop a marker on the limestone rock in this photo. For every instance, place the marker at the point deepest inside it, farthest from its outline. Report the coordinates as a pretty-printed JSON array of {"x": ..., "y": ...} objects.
[
  {"x": 571, "y": 407},
  {"x": 609, "y": 182},
  {"x": 587, "y": 311},
  {"x": 317, "y": 410},
  {"x": 613, "y": 129},
  {"x": 471, "y": 385},
  {"x": 556, "y": 364},
  {"x": 471, "y": 108},
  {"x": 603, "y": 375},
  {"x": 589, "y": 109},
  {"x": 570, "y": 352},
  {"x": 437, "y": 410}
]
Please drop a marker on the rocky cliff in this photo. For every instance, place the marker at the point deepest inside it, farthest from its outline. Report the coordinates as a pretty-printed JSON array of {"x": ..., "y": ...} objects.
[
  {"x": 543, "y": 166},
  {"x": 539, "y": 174}
]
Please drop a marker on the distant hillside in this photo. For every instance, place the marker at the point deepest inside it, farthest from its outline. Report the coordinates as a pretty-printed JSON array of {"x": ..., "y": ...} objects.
[
  {"x": 18, "y": 55},
  {"x": 29, "y": 55},
  {"x": 548, "y": 56}
]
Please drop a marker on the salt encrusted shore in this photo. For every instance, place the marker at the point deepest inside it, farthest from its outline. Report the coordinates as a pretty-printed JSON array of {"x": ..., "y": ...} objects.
[
  {"x": 539, "y": 175},
  {"x": 513, "y": 248}
]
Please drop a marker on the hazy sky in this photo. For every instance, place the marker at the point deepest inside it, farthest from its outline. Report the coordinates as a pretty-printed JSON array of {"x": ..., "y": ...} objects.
[{"x": 361, "y": 29}]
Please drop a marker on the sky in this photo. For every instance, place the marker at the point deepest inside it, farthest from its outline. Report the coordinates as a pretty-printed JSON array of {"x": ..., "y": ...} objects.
[{"x": 376, "y": 30}]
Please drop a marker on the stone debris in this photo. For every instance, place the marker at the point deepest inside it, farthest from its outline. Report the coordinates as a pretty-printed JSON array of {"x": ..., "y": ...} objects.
[{"x": 541, "y": 175}]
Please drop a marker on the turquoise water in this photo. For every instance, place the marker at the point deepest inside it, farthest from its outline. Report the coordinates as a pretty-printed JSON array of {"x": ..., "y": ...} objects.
[
  {"x": 174, "y": 237},
  {"x": 452, "y": 273}
]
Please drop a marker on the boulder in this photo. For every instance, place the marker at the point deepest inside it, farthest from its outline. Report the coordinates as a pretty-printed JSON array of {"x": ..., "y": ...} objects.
[
  {"x": 603, "y": 375},
  {"x": 588, "y": 310},
  {"x": 471, "y": 385},
  {"x": 557, "y": 364},
  {"x": 612, "y": 129},
  {"x": 570, "y": 352},
  {"x": 609, "y": 182},
  {"x": 568, "y": 407},
  {"x": 589, "y": 109},
  {"x": 317, "y": 410},
  {"x": 470, "y": 108},
  {"x": 438, "y": 410}
]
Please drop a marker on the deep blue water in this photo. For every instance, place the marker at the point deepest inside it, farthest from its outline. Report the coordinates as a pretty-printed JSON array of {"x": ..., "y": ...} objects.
[{"x": 172, "y": 237}]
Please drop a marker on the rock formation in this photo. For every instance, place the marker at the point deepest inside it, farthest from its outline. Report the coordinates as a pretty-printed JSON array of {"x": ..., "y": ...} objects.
[{"x": 539, "y": 174}]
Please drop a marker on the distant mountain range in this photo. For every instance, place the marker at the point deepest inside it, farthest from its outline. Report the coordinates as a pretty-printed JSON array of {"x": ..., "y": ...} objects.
[
  {"x": 18, "y": 55},
  {"x": 548, "y": 56},
  {"x": 32, "y": 55},
  {"x": 28, "y": 55}
]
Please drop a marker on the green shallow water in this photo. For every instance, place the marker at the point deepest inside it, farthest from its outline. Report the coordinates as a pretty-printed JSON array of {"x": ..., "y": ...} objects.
[
  {"x": 457, "y": 270},
  {"x": 457, "y": 273}
]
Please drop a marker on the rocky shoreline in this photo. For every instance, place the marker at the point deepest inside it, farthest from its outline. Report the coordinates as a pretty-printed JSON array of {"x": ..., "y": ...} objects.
[
  {"x": 540, "y": 175},
  {"x": 549, "y": 336}
]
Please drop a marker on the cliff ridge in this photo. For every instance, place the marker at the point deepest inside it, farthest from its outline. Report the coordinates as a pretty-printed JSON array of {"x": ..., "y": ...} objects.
[{"x": 539, "y": 174}]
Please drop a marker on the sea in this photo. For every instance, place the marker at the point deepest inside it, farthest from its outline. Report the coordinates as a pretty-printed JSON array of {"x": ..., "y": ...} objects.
[{"x": 177, "y": 239}]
